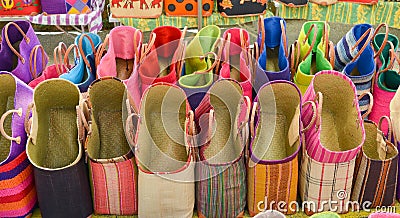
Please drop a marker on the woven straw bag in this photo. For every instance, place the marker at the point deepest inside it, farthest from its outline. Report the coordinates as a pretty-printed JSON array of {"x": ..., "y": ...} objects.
[
  {"x": 235, "y": 59},
  {"x": 375, "y": 175},
  {"x": 54, "y": 149},
  {"x": 197, "y": 76},
  {"x": 386, "y": 83},
  {"x": 162, "y": 138},
  {"x": 18, "y": 41},
  {"x": 311, "y": 55},
  {"x": 350, "y": 46},
  {"x": 325, "y": 182},
  {"x": 17, "y": 189},
  {"x": 274, "y": 156},
  {"x": 84, "y": 71},
  {"x": 122, "y": 56},
  {"x": 221, "y": 169},
  {"x": 112, "y": 166},
  {"x": 329, "y": 140},
  {"x": 50, "y": 72},
  {"x": 272, "y": 62}
]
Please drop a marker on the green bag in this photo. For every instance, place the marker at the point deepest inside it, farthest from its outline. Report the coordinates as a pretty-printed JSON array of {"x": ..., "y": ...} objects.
[{"x": 310, "y": 55}]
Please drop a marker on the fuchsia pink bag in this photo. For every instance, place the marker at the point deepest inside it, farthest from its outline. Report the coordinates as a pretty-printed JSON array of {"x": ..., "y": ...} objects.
[
  {"x": 236, "y": 59},
  {"x": 338, "y": 132}
]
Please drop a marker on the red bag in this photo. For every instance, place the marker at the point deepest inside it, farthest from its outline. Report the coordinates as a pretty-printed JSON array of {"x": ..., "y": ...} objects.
[{"x": 19, "y": 7}]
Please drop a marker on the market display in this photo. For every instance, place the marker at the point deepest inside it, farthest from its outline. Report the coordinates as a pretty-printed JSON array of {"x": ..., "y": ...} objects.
[{"x": 210, "y": 126}]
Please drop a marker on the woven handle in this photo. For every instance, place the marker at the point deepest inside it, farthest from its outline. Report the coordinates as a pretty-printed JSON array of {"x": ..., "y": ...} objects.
[
  {"x": 66, "y": 55},
  {"x": 212, "y": 66},
  {"x": 58, "y": 56},
  {"x": 371, "y": 103},
  {"x": 367, "y": 33},
  {"x": 131, "y": 129},
  {"x": 102, "y": 50},
  {"x": 385, "y": 40},
  {"x": 252, "y": 118},
  {"x": 294, "y": 54},
  {"x": 9, "y": 43},
  {"x": 314, "y": 117},
  {"x": 191, "y": 134},
  {"x": 28, "y": 119},
  {"x": 3, "y": 132},
  {"x": 180, "y": 53},
  {"x": 284, "y": 38},
  {"x": 33, "y": 60},
  {"x": 84, "y": 126},
  {"x": 331, "y": 56},
  {"x": 261, "y": 29},
  {"x": 313, "y": 26},
  {"x": 325, "y": 39},
  {"x": 83, "y": 53},
  {"x": 390, "y": 132},
  {"x": 146, "y": 49}
]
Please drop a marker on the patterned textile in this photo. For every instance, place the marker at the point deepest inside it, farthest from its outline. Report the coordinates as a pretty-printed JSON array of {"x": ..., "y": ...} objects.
[
  {"x": 345, "y": 12},
  {"x": 92, "y": 19},
  {"x": 324, "y": 182},
  {"x": 375, "y": 181},
  {"x": 223, "y": 195},
  {"x": 149, "y": 24},
  {"x": 262, "y": 185},
  {"x": 77, "y": 6},
  {"x": 114, "y": 186}
]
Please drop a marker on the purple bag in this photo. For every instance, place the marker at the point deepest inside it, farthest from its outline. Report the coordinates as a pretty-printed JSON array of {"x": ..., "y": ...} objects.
[{"x": 19, "y": 39}]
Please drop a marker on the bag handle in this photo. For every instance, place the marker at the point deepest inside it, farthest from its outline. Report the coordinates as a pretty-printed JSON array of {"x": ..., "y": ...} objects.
[
  {"x": 136, "y": 46},
  {"x": 58, "y": 55},
  {"x": 367, "y": 33},
  {"x": 325, "y": 39},
  {"x": 294, "y": 53},
  {"x": 212, "y": 66},
  {"x": 66, "y": 55},
  {"x": 83, "y": 53},
  {"x": 317, "y": 111},
  {"x": 83, "y": 123},
  {"x": 284, "y": 37},
  {"x": 180, "y": 51},
  {"x": 385, "y": 40},
  {"x": 314, "y": 117},
  {"x": 390, "y": 132},
  {"x": 147, "y": 48},
  {"x": 313, "y": 26},
  {"x": 371, "y": 103},
  {"x": 27, "y": 39},
  {"x": 3, "y": 132},
  {"x": 101, "y": 50},
  {"x": 261, "y": 29},
  {"x": 331, "y": 47},
  {"x": 33, "y": 60}
]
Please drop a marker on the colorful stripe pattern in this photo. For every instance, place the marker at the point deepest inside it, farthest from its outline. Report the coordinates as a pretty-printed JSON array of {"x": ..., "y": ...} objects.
[
  {"x": 224, "y": 194},
  {"x": 375, "y": 181},
  {"x": 314, "y": 147},
  {"x": 17, "y": 190},
  {"x": 324, "y": 182},
  {"x": 114, "y": 186},
  {"x": 263, "y": 186}
]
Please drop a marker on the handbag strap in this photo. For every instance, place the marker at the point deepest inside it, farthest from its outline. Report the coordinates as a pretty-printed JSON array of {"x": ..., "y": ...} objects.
[
  {"x": 27, "y": 39},
  {"x": 3, "y": 132},
  {"x": 294, "y": 54},
  {"x": 325, "y": 40},
  {"x": 331, "y": 57},
  {"x": 367, "y": 41},
  {"x": 69, "y": 49},
  {"x": 313, "y": 26},
  {"x": 33, "y": 60},
  {"x": 261, "y": 29},
  {"x": 85, "y": 60},
  {"x": 385, "y": 40},
  {"x": 101, "y": 50},
  {"x": 208, "y": 70},
  {"x": 390, "y": 133},
  {"x": 180, "y": 51},
  {"x": 284, "y": 37},
  {"x": 371, "y": 103},
  {"x": 313, "y": 118},
  {"x": 146, "y": 49},
  {"x": 58, "y": 55}
]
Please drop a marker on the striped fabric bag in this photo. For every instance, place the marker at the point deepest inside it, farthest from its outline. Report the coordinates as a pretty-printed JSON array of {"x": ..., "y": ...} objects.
[
  {"x": 221, "y": 169},
  {"x": 350, "y": 47},
  {"x": 17, "y": 189},
  {"x": 329, "y": 140},
  {"x": 274, "y": 151},
  {"x": 113, "y": 171},
  {"x": 163, "y": 153},
  {"x": 325, "y": 182},
  {"x": 375, "y": 175}
]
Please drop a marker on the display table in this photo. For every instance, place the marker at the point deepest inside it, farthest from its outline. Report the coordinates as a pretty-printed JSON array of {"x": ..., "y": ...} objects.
[{"x": 349, "y": 13}]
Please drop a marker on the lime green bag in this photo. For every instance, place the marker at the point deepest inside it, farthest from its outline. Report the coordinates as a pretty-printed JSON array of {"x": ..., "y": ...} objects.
[{"x": 310, "y": 55}]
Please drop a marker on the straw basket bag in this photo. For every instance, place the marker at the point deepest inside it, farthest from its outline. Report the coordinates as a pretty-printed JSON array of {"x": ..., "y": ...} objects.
[
  {"x": 375, "y": 175},
  {"x": 161, "y": 137},
  {"x": 221, "y": 170},
  {"x": 17, "y": 189},
  {"x": 112, "y": 166},
  {"x": 55, "y": 150},
  {"x": 274, "y": 151},
  {"x": 329, "y": 140}
]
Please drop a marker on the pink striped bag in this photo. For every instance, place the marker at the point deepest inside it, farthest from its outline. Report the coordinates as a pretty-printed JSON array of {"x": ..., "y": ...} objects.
[{"x": 338, "y": 132}]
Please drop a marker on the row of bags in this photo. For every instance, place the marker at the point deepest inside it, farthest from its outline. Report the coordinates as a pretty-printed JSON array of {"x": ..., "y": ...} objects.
[
  {"x": 210, "y": 92},
  {"x": 33, "y": 7},
  {"x": 154, "y": 8}
]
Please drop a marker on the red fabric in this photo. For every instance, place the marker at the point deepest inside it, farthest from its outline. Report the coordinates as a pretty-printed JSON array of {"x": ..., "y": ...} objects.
[{"x": 19, "y": 7}]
